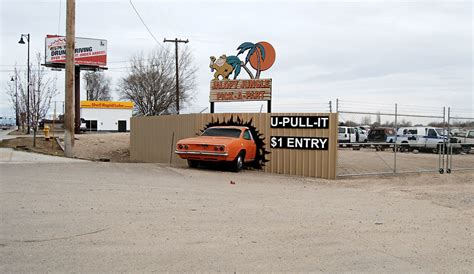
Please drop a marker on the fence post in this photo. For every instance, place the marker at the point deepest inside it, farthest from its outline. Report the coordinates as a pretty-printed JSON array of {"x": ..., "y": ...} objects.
[
  {"x": 395, "y": 146},
  {"x": 337, "y": 105},
  {"x": 444, "y": 132},
  {"x": 330, "y": 106},
  {"x": 172, "y": 148},
  {"x": 449, "y": 157}
]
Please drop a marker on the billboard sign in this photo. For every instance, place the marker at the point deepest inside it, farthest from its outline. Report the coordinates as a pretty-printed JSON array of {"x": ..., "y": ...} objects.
[{"x": 88, "y": 51}]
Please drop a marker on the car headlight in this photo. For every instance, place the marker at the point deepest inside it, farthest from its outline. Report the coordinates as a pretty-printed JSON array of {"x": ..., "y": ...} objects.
[
  {"x": 180, "y": 146},
  {"x": 185, "y": 146},
  {"x": 221, "y": 148}
]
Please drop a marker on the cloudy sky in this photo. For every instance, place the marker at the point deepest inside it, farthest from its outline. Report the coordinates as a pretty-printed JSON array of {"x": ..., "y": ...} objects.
[{"x": 365, "y": 53}]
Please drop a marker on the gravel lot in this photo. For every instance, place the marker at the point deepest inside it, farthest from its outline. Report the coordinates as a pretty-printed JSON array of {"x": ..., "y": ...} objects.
[
  {"x": 96, "y": 146},
  {"x": 371, "y": 161},
  {"x": 127, "y": 217}
]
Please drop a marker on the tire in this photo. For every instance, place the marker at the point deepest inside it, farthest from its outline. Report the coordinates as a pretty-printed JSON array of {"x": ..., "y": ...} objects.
[
  {"x": 193, "y": 163},
  {"x": 238, "y": 163},
  {"x": 404, "y": 146}
]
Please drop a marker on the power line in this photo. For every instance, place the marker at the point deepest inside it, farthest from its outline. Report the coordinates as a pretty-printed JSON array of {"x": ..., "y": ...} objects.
[
  {"x": 143, "y": 22},
  {"x": 13, "y": 65},
  {"x": 59, "y": 20}
]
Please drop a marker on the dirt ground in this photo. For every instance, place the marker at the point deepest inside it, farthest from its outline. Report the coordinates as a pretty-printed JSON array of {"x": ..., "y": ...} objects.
[
  {"x": 113, "y": 147},
  {"x": 102, "y": 146},
  {"x": 371, "y": 161},
  {"x": 134, "y": 217},
  {"x": 17, "y": 132},
  {"x": 50, "y": 147}
]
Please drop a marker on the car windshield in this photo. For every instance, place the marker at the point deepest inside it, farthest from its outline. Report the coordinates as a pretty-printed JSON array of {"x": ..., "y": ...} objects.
[
  {"x": 441, "y": 131},
  {"x": 342, "y": 130},
  {"x": 222, "y": 132}
]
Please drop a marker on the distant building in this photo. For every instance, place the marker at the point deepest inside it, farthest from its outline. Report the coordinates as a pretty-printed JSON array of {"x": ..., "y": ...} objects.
[{"x": 106, "y": 115}]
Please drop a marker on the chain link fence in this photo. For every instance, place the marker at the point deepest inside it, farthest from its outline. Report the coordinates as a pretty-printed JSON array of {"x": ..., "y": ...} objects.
[{"x": 377, "y": 139}]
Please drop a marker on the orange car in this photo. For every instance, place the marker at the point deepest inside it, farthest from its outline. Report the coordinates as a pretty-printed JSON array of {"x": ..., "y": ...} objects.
[{"x": 231, "y": 144}]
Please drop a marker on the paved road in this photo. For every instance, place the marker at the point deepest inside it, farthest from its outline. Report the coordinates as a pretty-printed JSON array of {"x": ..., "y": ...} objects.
[
  {"x": 10, "y": 156},
  {"x": 110, "y": 217},
  {"x": 4, "y": 134}
]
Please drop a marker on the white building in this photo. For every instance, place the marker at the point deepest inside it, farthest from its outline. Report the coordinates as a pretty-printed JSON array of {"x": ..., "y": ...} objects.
[{"x": 106, "y": 115}]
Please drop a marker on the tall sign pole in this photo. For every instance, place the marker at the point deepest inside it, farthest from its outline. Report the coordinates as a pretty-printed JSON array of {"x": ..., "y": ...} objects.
[
  {"x": 69, "y": 96},
  {"x": 176, "y": 41}
]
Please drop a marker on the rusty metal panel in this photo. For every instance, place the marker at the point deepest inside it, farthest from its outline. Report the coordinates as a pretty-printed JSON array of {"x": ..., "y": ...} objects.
[{"x": 153, "y": 139}]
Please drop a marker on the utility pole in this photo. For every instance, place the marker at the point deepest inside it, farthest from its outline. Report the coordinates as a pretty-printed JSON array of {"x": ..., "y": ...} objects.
[
  {"x": 69, "y": 96},
  {"x": 176, "y": 41}
]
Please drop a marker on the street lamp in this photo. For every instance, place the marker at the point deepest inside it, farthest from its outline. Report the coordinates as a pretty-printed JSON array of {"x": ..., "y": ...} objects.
[
  {"x": 16, "y": 102},
  {"x": 27, "y": 36}
]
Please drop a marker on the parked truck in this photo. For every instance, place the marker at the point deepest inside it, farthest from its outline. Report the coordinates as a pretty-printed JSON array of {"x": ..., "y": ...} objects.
[
  {"x": 465, "y": 139},
  {"x": 421, "y": 138}
]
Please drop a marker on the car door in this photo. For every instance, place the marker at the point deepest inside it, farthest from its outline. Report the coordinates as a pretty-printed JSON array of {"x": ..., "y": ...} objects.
[
  {"x": 249, "y": 145},
  {"x": 342, "y": 134},
  {"x": 352, "y": 135},
  {"x": 431, "y": 138}
]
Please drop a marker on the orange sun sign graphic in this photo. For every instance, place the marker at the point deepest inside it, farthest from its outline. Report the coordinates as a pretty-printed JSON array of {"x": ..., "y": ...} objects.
[{"x": 267, "y": 61}]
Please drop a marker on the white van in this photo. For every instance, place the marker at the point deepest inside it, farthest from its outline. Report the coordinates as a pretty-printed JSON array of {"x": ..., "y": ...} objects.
[
  {"x": 346, "y": 135},
  {"x": 351, "y": 135},
  {"x": 421, "y": 138}
]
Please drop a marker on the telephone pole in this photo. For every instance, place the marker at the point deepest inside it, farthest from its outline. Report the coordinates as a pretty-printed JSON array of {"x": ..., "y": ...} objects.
[
  {"x": 69, "y": 96},
  {"x": 176, "y": 41}
]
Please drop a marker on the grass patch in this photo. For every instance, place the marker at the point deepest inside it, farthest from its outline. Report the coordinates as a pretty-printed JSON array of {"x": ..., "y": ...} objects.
[{"x": 50, "y": 147}]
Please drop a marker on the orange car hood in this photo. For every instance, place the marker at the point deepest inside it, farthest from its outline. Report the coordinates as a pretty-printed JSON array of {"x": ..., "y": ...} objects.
[{"x": 210, "y": 140}]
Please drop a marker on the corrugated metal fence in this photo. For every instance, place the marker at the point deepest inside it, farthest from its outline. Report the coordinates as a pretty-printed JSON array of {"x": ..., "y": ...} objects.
[{"x": 153, "y": 139}]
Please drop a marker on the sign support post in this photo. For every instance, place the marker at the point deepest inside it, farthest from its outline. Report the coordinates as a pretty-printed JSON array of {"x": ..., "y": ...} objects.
[
  {"x": 212, "y": 107},
  {"x": 77, "y": 99}
]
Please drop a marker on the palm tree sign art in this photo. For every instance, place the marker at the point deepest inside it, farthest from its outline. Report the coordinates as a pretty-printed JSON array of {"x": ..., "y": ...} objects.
[{"x": 261, "y": 56}]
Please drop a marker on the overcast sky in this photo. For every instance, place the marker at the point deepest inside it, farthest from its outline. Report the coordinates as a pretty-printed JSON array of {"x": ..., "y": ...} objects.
[{"x": 374, "y": 52}]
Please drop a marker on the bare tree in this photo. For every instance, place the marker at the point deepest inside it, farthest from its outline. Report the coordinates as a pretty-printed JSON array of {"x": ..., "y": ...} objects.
[
  {"x": 12, "y": 92},
  {"x": 16, "y": 91},
  {"x": 42, "y": 90},
  {"x": 366, "y": 120},
  {"x": 151, "y": 85},
  {"x": 97, "y": 86}
]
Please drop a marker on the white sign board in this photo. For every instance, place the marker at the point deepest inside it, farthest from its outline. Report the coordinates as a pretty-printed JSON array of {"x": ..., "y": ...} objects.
[{"x": 90, "y": 52}]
